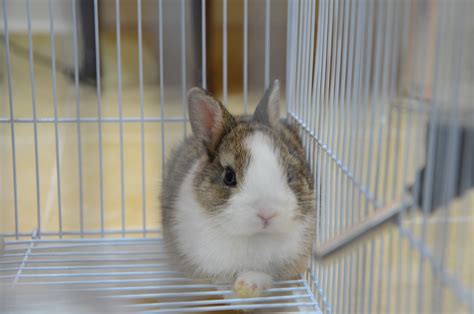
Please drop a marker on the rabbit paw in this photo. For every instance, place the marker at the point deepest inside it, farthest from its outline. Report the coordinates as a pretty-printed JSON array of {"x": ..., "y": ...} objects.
[{"x": 252, "y": 284}]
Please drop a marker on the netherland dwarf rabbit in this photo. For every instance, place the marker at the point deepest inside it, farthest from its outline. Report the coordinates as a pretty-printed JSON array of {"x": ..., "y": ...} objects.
[{"x": 237, "y": 198}]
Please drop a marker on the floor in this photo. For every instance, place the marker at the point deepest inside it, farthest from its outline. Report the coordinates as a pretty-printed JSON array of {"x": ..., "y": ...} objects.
[
  {"x": 65, "y": 174},
  {"x": 79, "y": 171}
]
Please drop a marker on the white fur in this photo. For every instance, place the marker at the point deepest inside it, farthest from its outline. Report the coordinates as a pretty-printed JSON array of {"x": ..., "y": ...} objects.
[
  {"x": 235, "y": 241},
  {"x": 265, "y": 189}
]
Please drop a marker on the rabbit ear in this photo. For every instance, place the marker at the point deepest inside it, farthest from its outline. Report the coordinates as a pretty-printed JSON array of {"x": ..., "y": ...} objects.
[
  {"x": 209, "y": 119},
  {"x": 268, "y": 109}
]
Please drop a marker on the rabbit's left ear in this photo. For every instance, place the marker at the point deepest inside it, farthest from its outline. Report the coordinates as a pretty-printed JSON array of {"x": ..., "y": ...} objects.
[{"x": 268, "y": 109}]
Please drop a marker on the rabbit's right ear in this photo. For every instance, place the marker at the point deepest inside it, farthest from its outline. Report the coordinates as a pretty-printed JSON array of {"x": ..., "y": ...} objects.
[{"x": 209, "y": 119}]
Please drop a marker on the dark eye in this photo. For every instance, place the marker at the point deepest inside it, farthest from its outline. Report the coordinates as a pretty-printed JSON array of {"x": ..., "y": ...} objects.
[
  {"x": 229, "y": 177},
  {"x": 291, "y": 178}
]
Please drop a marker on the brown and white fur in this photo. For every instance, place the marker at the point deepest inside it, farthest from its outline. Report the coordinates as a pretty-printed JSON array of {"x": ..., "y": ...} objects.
[{"x": 252, "y": 232}]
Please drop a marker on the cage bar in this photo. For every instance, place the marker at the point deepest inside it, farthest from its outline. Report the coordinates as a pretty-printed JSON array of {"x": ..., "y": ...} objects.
[
  {"x": 33, "y": 105},
  {"x": 99, "y": 113}
]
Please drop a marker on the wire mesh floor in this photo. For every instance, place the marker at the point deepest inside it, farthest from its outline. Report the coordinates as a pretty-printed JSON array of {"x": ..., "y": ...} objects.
[{"x": 137, "y": 272}]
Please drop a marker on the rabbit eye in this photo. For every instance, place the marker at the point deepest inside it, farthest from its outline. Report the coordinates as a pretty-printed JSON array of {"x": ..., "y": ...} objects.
[
  {"x": 229, "y": 177},
  {"x": 291, "y": 178}
]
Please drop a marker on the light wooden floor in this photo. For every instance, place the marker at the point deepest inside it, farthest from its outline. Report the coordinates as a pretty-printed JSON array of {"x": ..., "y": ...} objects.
[
  {"x": 134, "y": 214},
  {"x": 67, "y": 142}
]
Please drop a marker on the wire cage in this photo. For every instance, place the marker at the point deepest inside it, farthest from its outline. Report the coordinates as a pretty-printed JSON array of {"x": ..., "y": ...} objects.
[{"x": 381, "y": 92}]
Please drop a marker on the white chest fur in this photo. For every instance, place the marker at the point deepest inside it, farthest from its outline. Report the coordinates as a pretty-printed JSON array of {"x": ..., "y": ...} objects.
[{"x": 214, "y": 253}]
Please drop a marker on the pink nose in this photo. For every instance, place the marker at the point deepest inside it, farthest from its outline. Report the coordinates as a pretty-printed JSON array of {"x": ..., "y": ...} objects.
[{"x": 266, "y": 217}]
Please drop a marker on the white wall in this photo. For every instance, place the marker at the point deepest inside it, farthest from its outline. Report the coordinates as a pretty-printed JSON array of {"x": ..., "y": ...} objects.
[{"x": 17, "y": 17}]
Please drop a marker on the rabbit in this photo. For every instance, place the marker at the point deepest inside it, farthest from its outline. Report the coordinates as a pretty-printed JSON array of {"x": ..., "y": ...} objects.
[{"x": 237, "y": 196}]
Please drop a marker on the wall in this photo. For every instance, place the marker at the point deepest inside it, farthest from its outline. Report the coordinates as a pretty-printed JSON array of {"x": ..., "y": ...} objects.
[{"x": 17, "y": 16}]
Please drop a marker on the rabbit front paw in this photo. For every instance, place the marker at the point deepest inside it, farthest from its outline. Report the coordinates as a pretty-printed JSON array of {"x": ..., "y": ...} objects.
[{"x": 252, "y": 284}]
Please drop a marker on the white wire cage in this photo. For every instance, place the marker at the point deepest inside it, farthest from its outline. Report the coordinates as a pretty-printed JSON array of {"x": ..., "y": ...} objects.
[{"x": 381, "y": 92}]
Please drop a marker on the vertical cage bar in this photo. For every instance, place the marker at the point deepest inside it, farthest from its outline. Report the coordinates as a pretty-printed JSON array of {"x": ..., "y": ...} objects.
[
  {"x": 119, "y": 82},
  {"x": 78, "y": 114},
  {"x": 367, "y": 58},
  {"x": 357, "y": 92},
  {"x": 33, "y": 105},
  {"x": 162, "y": 86},
  {"x": 56, "y": 129},
  {"x": 319, "y": 113},
  {"x": 337, "y": 146},
  {"x": 292, "y": 54},
  {"x": 343, "y": 179},
  {"x": 312, "y": 126},
  {"x": 376, "y": 97},
  {"x": 312, "y": 145},
  {"x": 203, "y": 44},
  {"x": 431, "y": 152},
  {"x": 390, "y": 38},
  {"x": 294, "y": 60},
  {"x": 407, "y": 141},
  {"x": 308, "y": 78},
  {"x": 394, "y": 44},
  {"x": 306, "y": 61},
  {"x": 12, "y": 115},
  {"x": 267, "y": 44},
  {"x": 327, "y": 125},
  {"x": 245, "y": 52},
  {"x": 301, "y": 59},
  {"x": 183, "y": 66},
  {"x": 331, "y": 121},
  {"x": 305, "y": 89},
  {"x": 246, "y": 29},
  {"x": 315, "y": 91},
  {"x": 396, "y": 154},
  {"x": 299, "y": 51},
  {"x": 365, "y": 100},
  {"x": 321, "y": 87},
  {"x": 383, "y": 99},
  {"x": 99, "y": 113},
  {"x": 344, "y": 112},
  {"x": 142, "y": 112},
  {"x": 453, "y": 151},
  {"x": 382, "y": 92},
  {"x": 358, "y": 63},
  {"x": 327, "y": 159},
  {"x": 317, "y": 123},
  {"x": 324, "y": 136},
  {"x": 224, "y": 50},
  {"x": 396, "y": 60},
  {"x": 351, "y": 101},
  {"x": 420, "y": 71}
]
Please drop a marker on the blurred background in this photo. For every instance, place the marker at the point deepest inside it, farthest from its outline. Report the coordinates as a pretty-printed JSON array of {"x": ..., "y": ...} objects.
[{"x": 49, "y": 95}]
